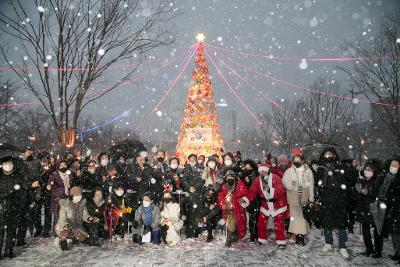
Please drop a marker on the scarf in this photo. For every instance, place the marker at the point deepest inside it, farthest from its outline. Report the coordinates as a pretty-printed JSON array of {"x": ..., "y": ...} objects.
[
  {"x": 385, "y": 186},
  {"x": 66, "y": 181},
  {"x": 148, "y": 214}
]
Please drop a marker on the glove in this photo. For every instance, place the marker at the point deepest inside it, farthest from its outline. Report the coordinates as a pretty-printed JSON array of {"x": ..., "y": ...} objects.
[{"x": 135, "y": 224}]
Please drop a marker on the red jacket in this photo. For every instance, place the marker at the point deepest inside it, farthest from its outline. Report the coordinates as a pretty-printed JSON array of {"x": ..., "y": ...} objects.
[
  {"x": 277, "y": 193},
  {"x": 239, "y": 211}
]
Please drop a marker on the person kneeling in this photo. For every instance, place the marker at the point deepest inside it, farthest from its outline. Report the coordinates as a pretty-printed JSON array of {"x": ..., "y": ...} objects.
[
  {"x": 170, "y": 220},
  {"x": 146, "y": 226},
  {"x": 72, "y": 214}
]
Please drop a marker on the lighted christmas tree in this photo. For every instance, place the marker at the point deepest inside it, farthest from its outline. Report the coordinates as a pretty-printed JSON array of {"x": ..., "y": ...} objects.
[{"x": 199, "y": 131}]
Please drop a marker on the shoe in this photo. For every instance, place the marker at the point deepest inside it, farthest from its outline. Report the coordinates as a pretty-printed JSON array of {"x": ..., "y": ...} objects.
[
  {"x": 37, "y": 234},
  {"x": 300, "y": 240},
  {"x": 376, "y": 254},
  {"x": 343, "y": 253},
  {"x": 64, "y": 245},
  {"x": 46, "y": 235},
  {"x": 281, "y": 246},
  {"x": 327, "y": 248},
  {"x": 368, "y": 252},
  {"x": 209, "y": 238},
  {"x": 21, "y": 243},
  {"x": 395, "y": 257},
  {"x": 9, "y": 254}
]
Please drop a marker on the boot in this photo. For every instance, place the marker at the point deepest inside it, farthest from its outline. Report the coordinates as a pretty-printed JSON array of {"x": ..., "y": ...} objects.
[
  {"x": 368, "y": 252},
  {"x": 300, "y": 240},
  {"x": 209, "y": 237},
  {"x": 377, "y": 254},
  {"x": 64, "y": 245},
  {"x": 9, "y": 254},
  {"x": 228, "y": 242},
  {"x": 395, "y": 257}
]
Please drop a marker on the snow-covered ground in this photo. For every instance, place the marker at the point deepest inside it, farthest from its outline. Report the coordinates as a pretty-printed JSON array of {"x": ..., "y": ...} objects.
[{"x": 44, "y": 252}]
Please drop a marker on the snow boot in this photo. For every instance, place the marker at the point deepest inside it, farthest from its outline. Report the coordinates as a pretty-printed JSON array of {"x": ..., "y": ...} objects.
[{"x": 395, "y": 257}]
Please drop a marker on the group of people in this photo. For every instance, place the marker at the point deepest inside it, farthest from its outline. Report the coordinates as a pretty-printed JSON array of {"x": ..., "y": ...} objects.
[{"x": 158, "y": 199}]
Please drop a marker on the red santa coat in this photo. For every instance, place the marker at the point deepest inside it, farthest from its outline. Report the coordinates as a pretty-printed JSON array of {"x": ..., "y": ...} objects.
[
  {"x": 276, "y": 191},
  {"x": 238, "y": 210}
]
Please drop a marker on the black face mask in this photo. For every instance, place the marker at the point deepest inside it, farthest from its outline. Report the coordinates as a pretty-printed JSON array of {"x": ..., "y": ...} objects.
[
  {"x": 230, "y": 182},
  {"x": 248, "y": 171},
  {"x": 167, "y": 200},
  {"x": 297, "y": 164},
  {"x": 160, "y": 159},
  {"x": 29, "y": 158},
  {"x": 63, "y": 170}
]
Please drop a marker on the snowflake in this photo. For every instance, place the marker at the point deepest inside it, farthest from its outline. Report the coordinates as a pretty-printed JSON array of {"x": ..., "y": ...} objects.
[
  {"x": 159, "y": 113},
  {"x": 40, "y": 9},
  {"x": 314, "y": 22},
  {"x": 219, "y": 39},
  {"x": 343, "y": 186},
  {"x": 398, "y": 40},
  {"x": 382, "y": 206},
  {"x": 303, "y": 65},
  {"x": 49, "y": 57},
  {"x": 101, "y": 52}
]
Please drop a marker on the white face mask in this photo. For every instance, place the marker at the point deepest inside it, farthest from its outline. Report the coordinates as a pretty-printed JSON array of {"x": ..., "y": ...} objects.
[
  {"x": 192, "y": 164},
  {"x": 91, "y": 171},
  {"x": 200, "y": 162},
  {"x": 211, "y": 164},
  {"x": 7, "y": 166},
  {"x": 393, "y": 170},
  {"x": 76, "y": 199},
  {"x": 104, "y": 162},
  {"x": 146, "y": 203},
  {"x": 174, "y": 166},
  {"x": 368, "y": 174},
  {"x": 119, "y": 192},
  {"x": 121, "y": 161},
  {"x": 228, "y": 162}
]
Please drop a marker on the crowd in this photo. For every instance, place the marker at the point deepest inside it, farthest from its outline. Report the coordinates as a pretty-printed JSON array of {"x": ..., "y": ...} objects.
[{"x": 158, "y": 199}]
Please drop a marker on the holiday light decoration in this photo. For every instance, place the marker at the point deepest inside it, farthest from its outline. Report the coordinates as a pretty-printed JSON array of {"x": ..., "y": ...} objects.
[{"x": 199, "y": 130}]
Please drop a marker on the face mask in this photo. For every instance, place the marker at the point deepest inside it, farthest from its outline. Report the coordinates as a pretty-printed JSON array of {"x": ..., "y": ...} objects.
[
  {"x": 104, "y": 162},
  {"x": 76, "y": 199},
  {"x": 160, "y": 159},
  {"x": 230, "y": 182},
  {"x": 63, "y": 169},
  {"x": 273, "y": 165},
  {"x": 91, "y": 171},
  {"x": 98, "y": 198},
  {"x": 228, "y": 162},
  {"x": 146, "y": 204},
  {"x": 368, "y": 174},
  {"x": 174, "y": 166},
  {"x": 248, "y": 171},
  {"x": 297, "y": 164},
  {"x": 29, "y": 158},
  {"x": 200, "y": 162},
  {"x": 8, "y": 166},
  {"x": 119, "y": 192},
  {"x": 315, "y": 167},
  {"x": 211, "y": 164},
  {"x": 121, "y": 161},
  {"x": 167, "y": 200},
  {"x": 192, "y": 164},
  {"x": 393, "y": 170}
]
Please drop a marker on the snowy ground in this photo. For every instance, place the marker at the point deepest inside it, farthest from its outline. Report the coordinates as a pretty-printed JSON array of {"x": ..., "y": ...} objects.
[{"x": 44, "y": 252}]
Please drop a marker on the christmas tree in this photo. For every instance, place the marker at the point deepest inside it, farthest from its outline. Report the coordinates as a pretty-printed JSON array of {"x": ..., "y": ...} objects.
[{"x": 199, "y": 132}]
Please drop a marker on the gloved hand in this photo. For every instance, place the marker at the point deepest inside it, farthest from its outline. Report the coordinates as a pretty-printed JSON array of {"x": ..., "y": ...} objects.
[{"x": 147, "y": 229}]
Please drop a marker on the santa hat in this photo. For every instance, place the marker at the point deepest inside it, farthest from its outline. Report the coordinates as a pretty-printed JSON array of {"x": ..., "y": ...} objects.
[{"x": 263, "y": 168}]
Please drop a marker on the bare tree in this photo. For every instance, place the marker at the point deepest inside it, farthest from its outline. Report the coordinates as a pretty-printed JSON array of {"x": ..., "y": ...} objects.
[
  {"x": 325, "y": 116},
  {"x": 70, "y": 44},
  {"x": 287, "y": 126},
  {"x": 7, "y": 111},
  {"x": 377, "y": 74}
]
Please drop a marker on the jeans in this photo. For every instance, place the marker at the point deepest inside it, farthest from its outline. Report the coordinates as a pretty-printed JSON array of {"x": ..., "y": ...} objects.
[{"x": 342, "y": 237}]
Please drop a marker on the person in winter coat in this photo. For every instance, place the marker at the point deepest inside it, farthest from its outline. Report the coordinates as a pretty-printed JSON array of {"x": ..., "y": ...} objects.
[
  {"x": 352, "y": 177},
  {"x": 194, "y": 210},
  {"x": 171, "y": 224},
  {"x": 147, "y": 219},
  {"x": 273, "y": 204},
  {"x": 103, "y": 160},
  {"x": 367, "y": 188},
  {"x": 73, "y": 213},
  {"x": 58, "y": 185},
  {"x": 229, "y": 163},
  {"x": 90, "y": 179},
  {"x": 11, "y": 195},
  {"x": 389, "y": 194},
  {"x": 174, "y": 175},
  {"x": 212, "y": 211},
  {"x": 192, "y": 175},
  {"x": 333, "y": 194},
  {"x": 122, "y": 202},
  {"x": 248, "y": 174},
  {"x": 159, "y": 175},
  {"x": 229, "y": 203},
  {"x": 299, "y": 183},
  {"x": 138, "y": 177},
  {"x": 95, "y": 207},
  {"x": 212, "y": 175}
]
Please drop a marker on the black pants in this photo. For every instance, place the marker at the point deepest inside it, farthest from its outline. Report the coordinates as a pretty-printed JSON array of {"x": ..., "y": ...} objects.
[
  {"x": 47, "y": 215},
  {"x": 211, "y": 224},
  {"x": 23, "y": 223},
  {"x": 378, "y": 239},
  {"x": 253, "y": 211},
  {"x": 192, "y": 228},
  {"x": 10, "y": 233}
]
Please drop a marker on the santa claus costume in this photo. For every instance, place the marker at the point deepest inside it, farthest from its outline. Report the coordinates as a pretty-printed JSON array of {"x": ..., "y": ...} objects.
[{"x": 274, "y": 204}]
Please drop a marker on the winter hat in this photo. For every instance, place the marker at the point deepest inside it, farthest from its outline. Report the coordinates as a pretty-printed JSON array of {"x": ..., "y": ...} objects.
[
  {"x": 283, "y": 160},
  {"x": 230, "y": 173},
  {"x": 75, "y": 191},
  {"x": 263, "y": 168}
]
